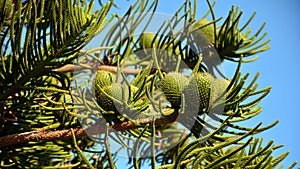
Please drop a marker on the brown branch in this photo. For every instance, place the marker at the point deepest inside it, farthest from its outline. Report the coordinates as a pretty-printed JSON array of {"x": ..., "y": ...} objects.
[
  {"x": 43, "y": 135},
  {"x": 113, "y": 69},
  {"x": 66, "y": 68}
]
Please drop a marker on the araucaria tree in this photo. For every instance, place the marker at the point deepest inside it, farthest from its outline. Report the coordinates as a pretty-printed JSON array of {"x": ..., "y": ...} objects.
[{"x": 85, "y": 87}]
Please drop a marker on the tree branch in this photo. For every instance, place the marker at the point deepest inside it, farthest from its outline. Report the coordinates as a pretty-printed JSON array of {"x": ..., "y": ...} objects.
[
  {"x": 43, "y": 135},
  {"x": 71, "y": 68}
]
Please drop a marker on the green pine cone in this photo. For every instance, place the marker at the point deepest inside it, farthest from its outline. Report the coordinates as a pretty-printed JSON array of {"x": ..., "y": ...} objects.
[
  {"x": 205, "y": 85},
  {"x": 103, "y": 78},
  {"x": 114, "y": 90},
  {"x": 173, "y": 85},
  {"x": 199, "y": 101},
  {"x": 147, "y": 40},
  {"x": 207, "y": 30}
]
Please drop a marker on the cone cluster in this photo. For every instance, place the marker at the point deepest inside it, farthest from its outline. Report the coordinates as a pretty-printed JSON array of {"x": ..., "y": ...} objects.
[
  {"x": 107, "y": 91},
  {"x": 200, "y": 91}
]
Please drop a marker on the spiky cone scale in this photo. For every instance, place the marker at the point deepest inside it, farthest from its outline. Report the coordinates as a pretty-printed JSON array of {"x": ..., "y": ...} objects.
[
  {"x": 110, "y": 99},
  {"x": 173, "y": 85},
  {"x": 196, "y": 102},
  {"x": 147, "y": 40},
  {"x": 204, "y": 84},
  {"x": 103, "y": 78},
  {"x": 106, "y": 96}
]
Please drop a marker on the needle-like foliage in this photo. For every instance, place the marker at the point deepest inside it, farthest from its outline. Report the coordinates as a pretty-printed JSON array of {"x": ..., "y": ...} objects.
[{"x": 159, "y": 95}]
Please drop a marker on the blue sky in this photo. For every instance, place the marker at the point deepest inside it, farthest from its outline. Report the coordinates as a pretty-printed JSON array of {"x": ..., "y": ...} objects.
[{"x": 278, "y": 66}]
